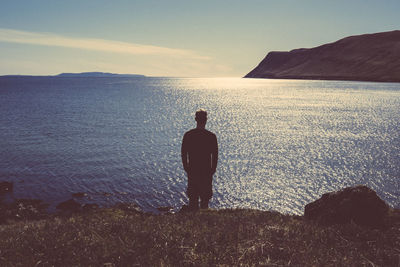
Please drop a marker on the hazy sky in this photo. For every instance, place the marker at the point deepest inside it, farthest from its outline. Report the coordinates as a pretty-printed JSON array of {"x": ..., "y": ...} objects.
[{"x": 185, "y": 38}]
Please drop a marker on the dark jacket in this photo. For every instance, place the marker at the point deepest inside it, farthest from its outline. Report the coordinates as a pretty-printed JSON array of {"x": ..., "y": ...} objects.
[{"x": 199, "y": 152}]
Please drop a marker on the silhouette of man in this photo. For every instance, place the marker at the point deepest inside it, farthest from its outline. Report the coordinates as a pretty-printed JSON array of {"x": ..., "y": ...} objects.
[{"x": 199, "y": 154}]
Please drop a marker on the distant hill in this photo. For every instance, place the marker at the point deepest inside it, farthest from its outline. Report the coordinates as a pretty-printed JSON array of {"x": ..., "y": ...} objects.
[
  {"x": 368, "y": 57},
  {"x": 82, "y": 74},
  {"x": 97, "y": 74}
]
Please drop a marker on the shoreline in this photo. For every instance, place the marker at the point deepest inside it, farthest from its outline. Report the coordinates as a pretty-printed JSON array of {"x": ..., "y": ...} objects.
[
  {"x": 30, "y": 208},
  {"x": 121, "y": 237},
  {"x": 125, "y": 235},
  {"x": 323, "y": 78}
]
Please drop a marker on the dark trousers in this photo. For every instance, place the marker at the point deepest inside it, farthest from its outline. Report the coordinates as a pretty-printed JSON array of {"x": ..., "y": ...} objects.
[
  {"x": 199, "y": 187},
  {"x": 194, "y": 203}
]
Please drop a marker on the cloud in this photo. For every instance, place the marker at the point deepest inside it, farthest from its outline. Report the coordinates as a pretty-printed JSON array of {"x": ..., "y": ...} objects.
[
  {"x": 50, "y": 39},
  {"x": 113, "y": 56}
]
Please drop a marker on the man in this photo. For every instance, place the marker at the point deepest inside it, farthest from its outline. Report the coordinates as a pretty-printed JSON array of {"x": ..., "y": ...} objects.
[{"x": 199, "y": 154}]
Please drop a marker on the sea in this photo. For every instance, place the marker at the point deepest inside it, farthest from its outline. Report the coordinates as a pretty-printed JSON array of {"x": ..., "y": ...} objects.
[{"x": 282, "y": 143}]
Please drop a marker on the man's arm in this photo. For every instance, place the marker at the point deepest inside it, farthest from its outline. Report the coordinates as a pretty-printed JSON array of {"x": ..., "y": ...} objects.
[
  {"x": 184, "y": 154},
  {"x": 214, "y": 155}
]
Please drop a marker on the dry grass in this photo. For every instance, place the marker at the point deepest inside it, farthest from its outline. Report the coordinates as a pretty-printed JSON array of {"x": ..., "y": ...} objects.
[{"x": 114, "y": 237}]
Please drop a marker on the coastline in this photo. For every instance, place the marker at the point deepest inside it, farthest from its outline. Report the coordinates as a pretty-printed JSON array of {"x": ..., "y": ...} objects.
[
  {"x": 124, "y": 235},
  {"x": 322, "y": 78},
  {"x": 356, "y": 58}
]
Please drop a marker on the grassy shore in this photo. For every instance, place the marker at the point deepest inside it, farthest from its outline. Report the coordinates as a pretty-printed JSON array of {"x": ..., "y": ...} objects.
[{"x": 116, "y": 237}]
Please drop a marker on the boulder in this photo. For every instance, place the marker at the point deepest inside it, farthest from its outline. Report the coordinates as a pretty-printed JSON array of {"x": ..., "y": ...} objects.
[
  {"x": 6, "y": 187},
  {"x": 69, "y": 206},
  {"x": 23, "y": 209},
  {"x": 90, "y": 206},
  {"x": 165, "y": 209},
  {"x": 358, "y": 204},
  {"x": 79, "y": 195},
  {"x": 129, "y": 207},
  {"x": 186, "y": 208}
]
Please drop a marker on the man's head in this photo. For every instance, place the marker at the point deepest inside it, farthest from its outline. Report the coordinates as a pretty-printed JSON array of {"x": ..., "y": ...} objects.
[{"x": 201, "y": 117}]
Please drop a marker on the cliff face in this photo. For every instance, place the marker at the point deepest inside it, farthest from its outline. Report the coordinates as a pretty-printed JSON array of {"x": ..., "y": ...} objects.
[{"x": 368, "y": 57}]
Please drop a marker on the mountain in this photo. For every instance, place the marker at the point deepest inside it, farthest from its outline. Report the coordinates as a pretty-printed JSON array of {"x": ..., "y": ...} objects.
[
  {"x": 97, "y": 74},
  {"x": 367, "y": 57}
]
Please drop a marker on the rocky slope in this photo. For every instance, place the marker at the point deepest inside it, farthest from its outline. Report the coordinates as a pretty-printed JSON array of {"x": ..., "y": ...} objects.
[{"x": 368, "y": 57}]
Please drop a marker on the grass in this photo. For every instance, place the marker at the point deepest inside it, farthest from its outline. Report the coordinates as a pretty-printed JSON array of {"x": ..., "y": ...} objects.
[{"x": 114, "y": 237}]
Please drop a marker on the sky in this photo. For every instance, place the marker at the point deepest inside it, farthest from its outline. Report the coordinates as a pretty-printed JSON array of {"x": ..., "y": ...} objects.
[{"x": 186, "y": 38}]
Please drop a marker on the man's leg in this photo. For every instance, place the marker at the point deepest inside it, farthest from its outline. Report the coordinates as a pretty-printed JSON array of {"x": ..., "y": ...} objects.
[
  {"x": 204, "y": 203},
  {"x": 206, "y": 192},
  {"x": 193, "y": 192},
  {"x": 194, "y": 202}
]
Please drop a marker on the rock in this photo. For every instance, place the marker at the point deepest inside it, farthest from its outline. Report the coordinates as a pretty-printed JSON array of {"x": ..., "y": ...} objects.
[
  {"x": 69, "y": 205},
  {"x": 6, "y": 187},
  {"x": 23, "y": 209},
  {"x": 359, "y": 204},
  {"x": 79, "y": 194},
  {"x": 164, "y": 209},
  {"x": 186, "y": 208},
  {"x": 90, "y": 206},
  {"x": 130, "y": 207},
  {"x": 30, "y": 208}
]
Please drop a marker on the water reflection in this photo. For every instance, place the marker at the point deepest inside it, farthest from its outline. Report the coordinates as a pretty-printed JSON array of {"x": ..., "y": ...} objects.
[{"x": 282, "y": 143}]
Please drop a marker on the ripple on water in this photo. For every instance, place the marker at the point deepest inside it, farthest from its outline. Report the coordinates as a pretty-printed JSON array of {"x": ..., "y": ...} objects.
[{"x": 282, "y": 143}]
